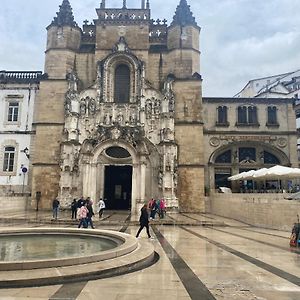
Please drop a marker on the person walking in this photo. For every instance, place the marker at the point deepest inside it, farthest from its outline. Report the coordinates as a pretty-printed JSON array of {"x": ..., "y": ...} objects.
[
  {"x": 74, "y": 209},
  {"x": 101, "y": 207},
  {"x": 55, "y": 208},
  {"x": 82, "y": 215},
  {"x": 153, "y": 211},
  {"x": 144, "y": 221},
  {"x": 90, "y": 213}
]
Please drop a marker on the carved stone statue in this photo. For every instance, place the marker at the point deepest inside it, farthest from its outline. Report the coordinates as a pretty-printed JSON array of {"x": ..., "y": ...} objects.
[
  {"x": 92, "y": 106},
  {"x": 72, "y": 80},
  {"x": 82, "y": 108}
]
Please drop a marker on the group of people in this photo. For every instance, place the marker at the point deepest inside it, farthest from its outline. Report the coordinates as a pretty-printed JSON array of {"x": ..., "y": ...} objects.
[
  {"x": 153, "y": 207},
  {"x": 82, "y": 209},
  {"x": 157, "y": 207}
]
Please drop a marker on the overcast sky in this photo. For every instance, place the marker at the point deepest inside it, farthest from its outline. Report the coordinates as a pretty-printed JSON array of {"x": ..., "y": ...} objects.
[{"x": 240, "y": 39}]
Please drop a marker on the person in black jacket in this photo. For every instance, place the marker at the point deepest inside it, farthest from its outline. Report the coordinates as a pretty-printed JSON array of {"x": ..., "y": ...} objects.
[
  {"x": 90, "y": 214},
  {"x": 144, "y": 221}
]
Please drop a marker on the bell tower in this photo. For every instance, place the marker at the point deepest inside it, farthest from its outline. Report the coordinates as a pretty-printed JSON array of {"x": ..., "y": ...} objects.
[
  {"x": 63, "y": 40},
  {"x": 184, "y": 57}
]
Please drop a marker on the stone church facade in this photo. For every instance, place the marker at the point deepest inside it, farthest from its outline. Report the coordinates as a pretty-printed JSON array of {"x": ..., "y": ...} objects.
[{"x": 119, "y": 115}]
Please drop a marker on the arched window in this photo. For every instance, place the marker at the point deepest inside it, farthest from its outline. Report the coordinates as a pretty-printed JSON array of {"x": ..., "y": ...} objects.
[
  {"x": 270, "y": 158},
  {"x": 9, "y": 159},
  {"x": 222, "y": 115},
  {"x": 122, "y": 84},
  {"x": 224, "y": 157},
  {"x": 272, "y": 115},
  {"x": 252, "y": 115},
  {"x": 247, "y": 115},
  {"x": 247, "y": 155},
  {"x": 242, "y": 115}
]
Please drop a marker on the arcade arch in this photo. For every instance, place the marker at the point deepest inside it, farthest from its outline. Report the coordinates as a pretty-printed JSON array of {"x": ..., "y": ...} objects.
[{"x": 239, "y": 157}]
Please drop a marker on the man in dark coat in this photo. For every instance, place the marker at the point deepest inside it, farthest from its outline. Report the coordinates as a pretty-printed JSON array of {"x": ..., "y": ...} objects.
[{"x": 144, "y": 221}]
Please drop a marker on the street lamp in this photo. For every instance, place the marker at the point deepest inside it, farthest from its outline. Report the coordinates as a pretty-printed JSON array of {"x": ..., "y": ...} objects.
[{"x": 26, "y": 151}]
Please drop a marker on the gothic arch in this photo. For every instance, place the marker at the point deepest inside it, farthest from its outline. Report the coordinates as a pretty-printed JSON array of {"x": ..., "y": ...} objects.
[{"x": 108, "y": 68}]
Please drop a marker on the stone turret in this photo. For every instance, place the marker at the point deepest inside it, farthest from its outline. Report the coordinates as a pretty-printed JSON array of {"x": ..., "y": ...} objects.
[
  {"x": 184, "y": 56},
  {"x": 183, "y": 33},
  {"x": 63, "y": 40},
  {"x": 65, "y": 15}
]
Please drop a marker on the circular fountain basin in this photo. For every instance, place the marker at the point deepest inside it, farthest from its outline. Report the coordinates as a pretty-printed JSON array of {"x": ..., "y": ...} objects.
[
  {"x": 36, "y": 248},
  {"x": 47, "y": 256}
]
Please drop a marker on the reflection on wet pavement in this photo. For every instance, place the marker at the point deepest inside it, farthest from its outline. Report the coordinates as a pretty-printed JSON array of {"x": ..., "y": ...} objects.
[{"x": 234, "y": 261}]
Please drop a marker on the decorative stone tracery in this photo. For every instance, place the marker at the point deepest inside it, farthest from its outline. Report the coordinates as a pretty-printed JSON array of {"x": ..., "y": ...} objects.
[{"x": 145, "y": 125}]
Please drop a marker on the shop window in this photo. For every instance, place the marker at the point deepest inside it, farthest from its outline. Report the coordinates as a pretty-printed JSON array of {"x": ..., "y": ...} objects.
[{"x": 122, "y": 84}]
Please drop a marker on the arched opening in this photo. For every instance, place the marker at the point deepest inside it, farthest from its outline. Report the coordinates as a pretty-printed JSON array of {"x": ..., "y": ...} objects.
[
  {"x": 122, "y": 84},
  {"x": 117, "y": 178},
  {"x": 118, "y": 187},
  {"x": 242, "y": 157}
]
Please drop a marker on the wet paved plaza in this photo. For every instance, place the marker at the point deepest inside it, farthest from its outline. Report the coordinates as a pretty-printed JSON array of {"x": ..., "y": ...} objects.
[{"x": 229, "y": 261}]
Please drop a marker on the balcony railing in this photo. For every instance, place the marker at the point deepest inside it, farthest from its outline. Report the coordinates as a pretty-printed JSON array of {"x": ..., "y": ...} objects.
[{"x": 20, "y": 76}]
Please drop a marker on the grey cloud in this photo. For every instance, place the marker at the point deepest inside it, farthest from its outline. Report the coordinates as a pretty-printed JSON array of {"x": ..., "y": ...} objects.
[{"x": 240, "y": 39}]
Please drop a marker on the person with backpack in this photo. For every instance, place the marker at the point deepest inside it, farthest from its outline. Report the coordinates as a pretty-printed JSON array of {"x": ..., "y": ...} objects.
[
  {"x": 90, "y": 213},
  {"x": 82, "y": 215}
]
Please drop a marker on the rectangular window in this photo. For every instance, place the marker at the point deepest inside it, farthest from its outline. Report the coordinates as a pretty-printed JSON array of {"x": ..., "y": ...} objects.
[
  {"x": 272, "y": 115},
  {"x": 13, "y": 112},
  {"x": 9, "y": 159}
]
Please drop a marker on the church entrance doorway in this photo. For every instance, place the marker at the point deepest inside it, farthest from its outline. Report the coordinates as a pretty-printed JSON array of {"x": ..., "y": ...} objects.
[{"x": 118, "y": 187}]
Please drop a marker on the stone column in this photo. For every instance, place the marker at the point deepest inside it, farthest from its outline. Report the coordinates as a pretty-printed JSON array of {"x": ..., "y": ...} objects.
[
  {"x": 86, "y": 179},
  {"x": 92, "y": 186},
  {"x": 135, "y": 190},
  {"x": 143, "y": 181},
  {"x": 100, "y": 181}
]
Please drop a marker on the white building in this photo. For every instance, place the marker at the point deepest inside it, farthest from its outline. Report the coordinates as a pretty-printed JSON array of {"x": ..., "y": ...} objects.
[
  {"x": 285, "y": 85},
  {"x": 17, "y": 96}
]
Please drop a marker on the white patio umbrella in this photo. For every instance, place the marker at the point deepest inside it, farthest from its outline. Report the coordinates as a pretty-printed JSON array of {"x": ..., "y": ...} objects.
[
  {"x": 259, "y": 173},
  {"x": 242, "y": 176},
  {"x": 277, "y": 172}
]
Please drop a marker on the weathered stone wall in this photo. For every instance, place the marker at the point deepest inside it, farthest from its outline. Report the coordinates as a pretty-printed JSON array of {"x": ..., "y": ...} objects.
[
  {"x": 14, "y": 204},
  {"x": 191, "y": 189},
  {"x": 263, "y": 210},
  {"x": 137, "y": 36},
  {"x": 45, "y": 180},
  {"x": 49, "y": 124}
]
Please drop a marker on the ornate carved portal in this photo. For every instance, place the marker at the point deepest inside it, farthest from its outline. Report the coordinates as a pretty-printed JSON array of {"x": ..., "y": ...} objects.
[{"x": 95, "y": 124}]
